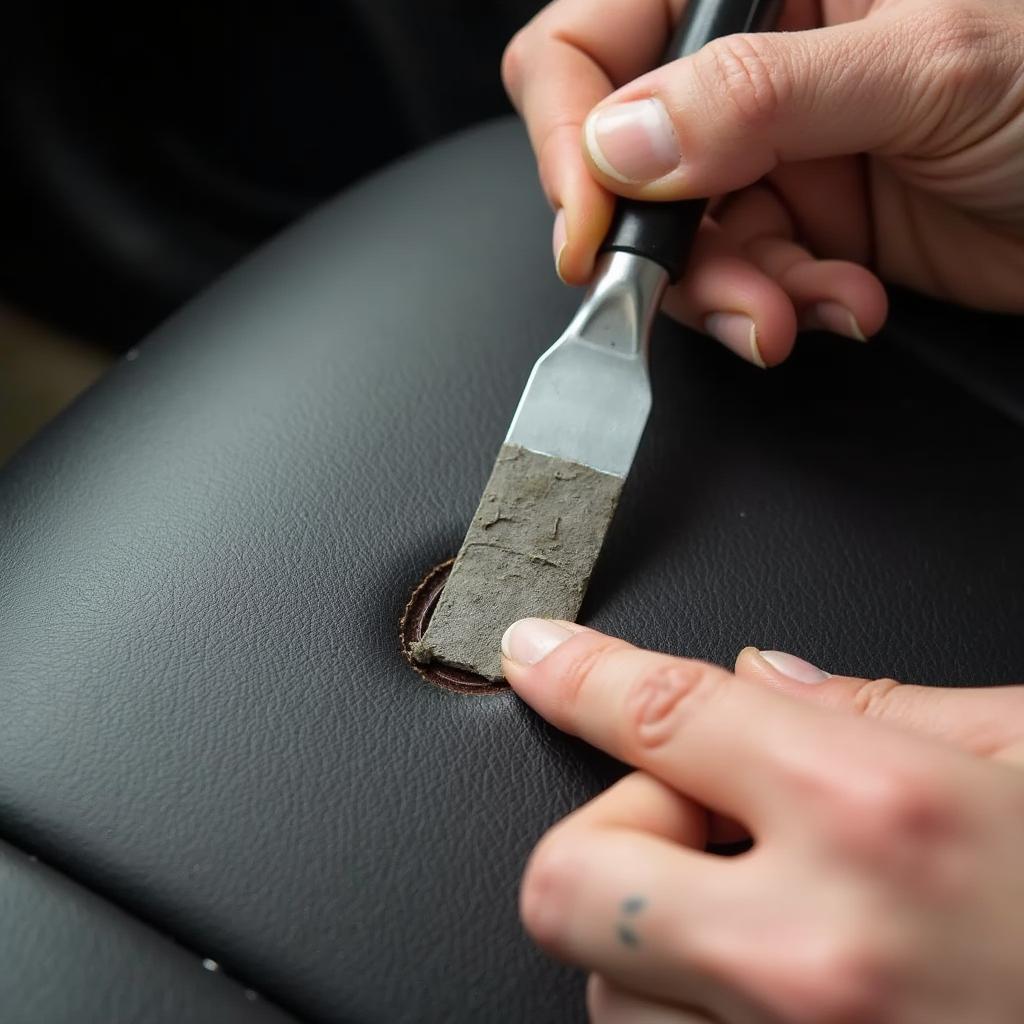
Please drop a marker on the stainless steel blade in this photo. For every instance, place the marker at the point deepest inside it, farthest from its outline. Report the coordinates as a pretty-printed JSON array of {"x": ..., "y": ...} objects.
[{"x": 589, "y": 396}]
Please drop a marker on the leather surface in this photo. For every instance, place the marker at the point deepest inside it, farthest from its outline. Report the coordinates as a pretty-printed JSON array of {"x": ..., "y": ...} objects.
[
  {"x": 203, "y": 564},
  {"x": 66, "y": 957},
  {"x": 981, "y": 352}
]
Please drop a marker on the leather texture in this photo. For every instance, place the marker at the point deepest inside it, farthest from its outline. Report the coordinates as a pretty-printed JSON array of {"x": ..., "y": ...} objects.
[
  {"x": 67, "y": 957},
  {"x": 207, "y": 717}
]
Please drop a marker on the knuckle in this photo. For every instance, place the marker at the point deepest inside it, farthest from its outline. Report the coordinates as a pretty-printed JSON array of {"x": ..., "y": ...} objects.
[
  {"x": 960, "y": 40},
  {"x": 745, "y": 72},
  {"x": 513, "y": 61},
  {"x": 896, "y": 820},
  {"x": 851, "y": 980},
  {"x": 666, "y": 693},
  {"x": 956, "y": 30},
  {"x": 871, "y": 696},
  {"x": 579, "y": 671},
  {"x": 549, "y": 881},
  {"x": 908, "y": 806},
  {"x": 954, "y": 82}
]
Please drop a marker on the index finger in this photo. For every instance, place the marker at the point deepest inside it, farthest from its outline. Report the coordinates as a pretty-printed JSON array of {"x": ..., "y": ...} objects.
[
  {"x": 556, "y": 69},
  {"x": 733, "y": 745}
]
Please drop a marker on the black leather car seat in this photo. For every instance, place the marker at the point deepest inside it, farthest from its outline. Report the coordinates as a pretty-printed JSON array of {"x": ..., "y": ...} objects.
[{"x": 205, "y": 715}]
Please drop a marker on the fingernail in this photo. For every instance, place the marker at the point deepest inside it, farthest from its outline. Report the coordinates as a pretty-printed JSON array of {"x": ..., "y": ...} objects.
[
  {"x": 633, "y": 142},
  {"x": 831, "y": 316},
  {"x": 529, "y": 640},
  {"x": 794, "y": 668},
  {"x": 738, "y": 333},
  {"x": 558, "y": 240}
]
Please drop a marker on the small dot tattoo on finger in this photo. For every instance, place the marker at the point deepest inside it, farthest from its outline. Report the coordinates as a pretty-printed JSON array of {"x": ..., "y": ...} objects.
[{"x": 625, "y": 928}]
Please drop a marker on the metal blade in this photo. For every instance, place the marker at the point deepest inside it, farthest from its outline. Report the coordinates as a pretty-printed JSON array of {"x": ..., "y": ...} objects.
[{"x": 589, "y": 396}]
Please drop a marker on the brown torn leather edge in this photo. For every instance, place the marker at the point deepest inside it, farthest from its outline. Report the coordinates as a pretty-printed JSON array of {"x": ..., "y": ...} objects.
[{"x": 413, "y": 625}]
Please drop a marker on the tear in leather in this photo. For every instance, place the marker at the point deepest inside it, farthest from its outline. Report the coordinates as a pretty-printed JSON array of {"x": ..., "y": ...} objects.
[{"x": 413, "y": 625}]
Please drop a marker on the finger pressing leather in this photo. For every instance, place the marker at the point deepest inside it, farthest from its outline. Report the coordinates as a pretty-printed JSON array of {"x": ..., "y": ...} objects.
[
  {"x": 749, "y": 752},
  {"x": 717, "y": 738}
]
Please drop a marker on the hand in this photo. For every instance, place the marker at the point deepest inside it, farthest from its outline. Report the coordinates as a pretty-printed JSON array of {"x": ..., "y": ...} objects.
[
  {"x": 881, "y": 134},
  {"x": 885, "y": 884}
]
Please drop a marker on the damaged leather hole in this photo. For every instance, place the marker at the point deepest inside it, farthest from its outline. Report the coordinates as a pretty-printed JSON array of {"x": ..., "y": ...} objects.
[{"x": 413, "y": 625}]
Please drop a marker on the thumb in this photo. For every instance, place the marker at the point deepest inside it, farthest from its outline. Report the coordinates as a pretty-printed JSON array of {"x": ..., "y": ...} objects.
[
  {"x": 721, "y": 119},
  {"x": 986, "y": 722}
]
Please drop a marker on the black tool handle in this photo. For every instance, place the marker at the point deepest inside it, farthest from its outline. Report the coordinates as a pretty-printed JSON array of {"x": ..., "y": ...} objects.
[{"x": 664, "y": 232}]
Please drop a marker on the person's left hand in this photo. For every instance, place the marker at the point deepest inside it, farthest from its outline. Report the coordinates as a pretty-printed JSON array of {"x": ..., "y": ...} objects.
[{"x": 886, "y": 879}]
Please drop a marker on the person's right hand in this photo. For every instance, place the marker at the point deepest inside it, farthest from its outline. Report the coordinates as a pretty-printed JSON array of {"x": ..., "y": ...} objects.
[
  {"x": 884, "y": 884},
  {"x": 874, "y": 137}
]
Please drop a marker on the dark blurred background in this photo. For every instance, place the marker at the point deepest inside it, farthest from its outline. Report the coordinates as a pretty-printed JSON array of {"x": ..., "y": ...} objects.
[{"x": 147, "y": 147}]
